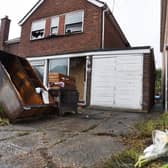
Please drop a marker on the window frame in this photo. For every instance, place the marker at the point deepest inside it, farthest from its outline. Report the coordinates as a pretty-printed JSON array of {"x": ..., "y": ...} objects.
[
  {"x": 45, "y": 62},
  {"x": 57, "y": 60},
  {"x": 31, "y": 37},
  {"x": 82, "y": 28},
  {"x": 52, "y": 34}
]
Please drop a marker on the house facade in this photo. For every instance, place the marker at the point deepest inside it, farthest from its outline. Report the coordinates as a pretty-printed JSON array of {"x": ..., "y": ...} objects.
[
  {"x": 82, "y": 39},
  {"x": 66, "y": 27}
]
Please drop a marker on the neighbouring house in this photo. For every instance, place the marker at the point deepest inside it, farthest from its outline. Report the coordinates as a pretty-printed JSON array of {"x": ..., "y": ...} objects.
[
  {"x": 164, "y": 50},
  {"x": 83, "y": 39}
]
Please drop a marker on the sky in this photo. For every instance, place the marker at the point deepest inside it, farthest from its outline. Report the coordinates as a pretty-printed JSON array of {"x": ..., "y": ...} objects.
[{"x": 139, "y": 20}]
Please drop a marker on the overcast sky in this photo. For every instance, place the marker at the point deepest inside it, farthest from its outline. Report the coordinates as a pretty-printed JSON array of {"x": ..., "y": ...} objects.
[{"x": 139, "y": 19}]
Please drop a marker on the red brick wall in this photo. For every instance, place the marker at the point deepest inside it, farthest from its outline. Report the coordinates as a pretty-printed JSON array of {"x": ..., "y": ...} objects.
[
  {"x": 112, "y": 38},
  {"x": 61, "y": 24},
  {"x": 90, "y": 39},
  {"x": 47, "y": 27},
  {"x": 148, "y": 81},
  {"x": 4, "y": 31},
  {"x": 13, "y": 48}
]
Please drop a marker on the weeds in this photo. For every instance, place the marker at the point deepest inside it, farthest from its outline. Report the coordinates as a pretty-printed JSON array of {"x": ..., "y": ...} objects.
[
  {"x": 125, "y": 159},
  {"x": 136, "y": 144},
  {"x": 4, "y": 121},
  {"x": 145, "y": 128}
]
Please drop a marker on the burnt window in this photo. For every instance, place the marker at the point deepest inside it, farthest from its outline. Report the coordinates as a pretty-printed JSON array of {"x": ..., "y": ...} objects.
[
  {"x": 38, "y": 29},
  {"x": 74, "y": 22}
]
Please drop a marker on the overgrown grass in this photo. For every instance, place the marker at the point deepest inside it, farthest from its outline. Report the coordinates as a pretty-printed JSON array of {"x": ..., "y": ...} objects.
[
  {"x": 4, "y": 121},
  {"x": 136, "y": 143},
  {"x": 126, "y": 159},
  {"x": 145, "y": 128}
]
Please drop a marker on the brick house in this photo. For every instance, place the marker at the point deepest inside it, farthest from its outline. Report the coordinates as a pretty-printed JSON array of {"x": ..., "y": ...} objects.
[{"x": 63, "y": 36}]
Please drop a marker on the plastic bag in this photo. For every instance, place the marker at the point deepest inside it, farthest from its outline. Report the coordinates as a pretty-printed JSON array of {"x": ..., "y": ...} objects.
[{"x": 158, "y": 149}]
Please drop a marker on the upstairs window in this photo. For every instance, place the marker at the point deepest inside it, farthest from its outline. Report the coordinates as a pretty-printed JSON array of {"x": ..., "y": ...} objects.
[
  {"x": 38, "y": 29},
  {"x": 74, "y": 22},
  {"x": 54, "y": 25}
]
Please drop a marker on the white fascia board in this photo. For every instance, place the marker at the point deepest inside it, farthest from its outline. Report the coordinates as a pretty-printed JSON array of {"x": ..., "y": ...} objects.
[
  {"x": 96, "y": 3},
  {"x": 30, "y": 12},
  {"x": 99, "y": 53}
]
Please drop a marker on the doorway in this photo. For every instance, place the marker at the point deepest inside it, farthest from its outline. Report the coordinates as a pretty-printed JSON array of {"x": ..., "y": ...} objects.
[{"x": 78, "y": 71}]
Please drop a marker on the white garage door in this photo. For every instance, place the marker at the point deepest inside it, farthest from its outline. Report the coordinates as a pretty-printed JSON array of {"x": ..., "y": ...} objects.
[{"x": 117, "y": 81}]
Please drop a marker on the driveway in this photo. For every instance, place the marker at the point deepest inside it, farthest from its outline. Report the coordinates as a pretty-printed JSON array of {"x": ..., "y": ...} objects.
[{"x": 82, "y": 140}]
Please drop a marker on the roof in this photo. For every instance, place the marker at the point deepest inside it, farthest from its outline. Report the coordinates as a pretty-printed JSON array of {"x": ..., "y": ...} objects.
[
  {"x": 97, "y": 3},
  {"x": 163, "y": 23}
]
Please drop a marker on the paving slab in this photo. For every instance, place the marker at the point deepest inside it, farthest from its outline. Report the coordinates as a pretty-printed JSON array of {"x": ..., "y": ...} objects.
[
  {"x": 84, "y": 150},
  {"x": 118, "y": 125},
  {"x": 33, "y": 159},
  {"x": 81, "y": 140}
]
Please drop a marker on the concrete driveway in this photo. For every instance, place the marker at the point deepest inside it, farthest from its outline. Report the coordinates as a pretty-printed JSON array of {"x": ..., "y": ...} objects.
[{"x": 82, "y": 140}]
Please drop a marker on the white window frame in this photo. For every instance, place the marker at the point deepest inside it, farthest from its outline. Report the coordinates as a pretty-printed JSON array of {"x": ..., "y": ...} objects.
[
  {"x": 83, "y": 14},
  {"x": 31, "y": 37},
  {"x": 45, "y": 62},
  {"x": 37, "y": 63},
  {"x": 54, "y": 26}
]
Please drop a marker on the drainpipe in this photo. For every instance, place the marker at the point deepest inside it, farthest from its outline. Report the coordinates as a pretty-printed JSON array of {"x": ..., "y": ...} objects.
[
  {"x": 103, "y": 25},
  {"x": 166, "y": 87},
  {"x": 45, "y": 78}
]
